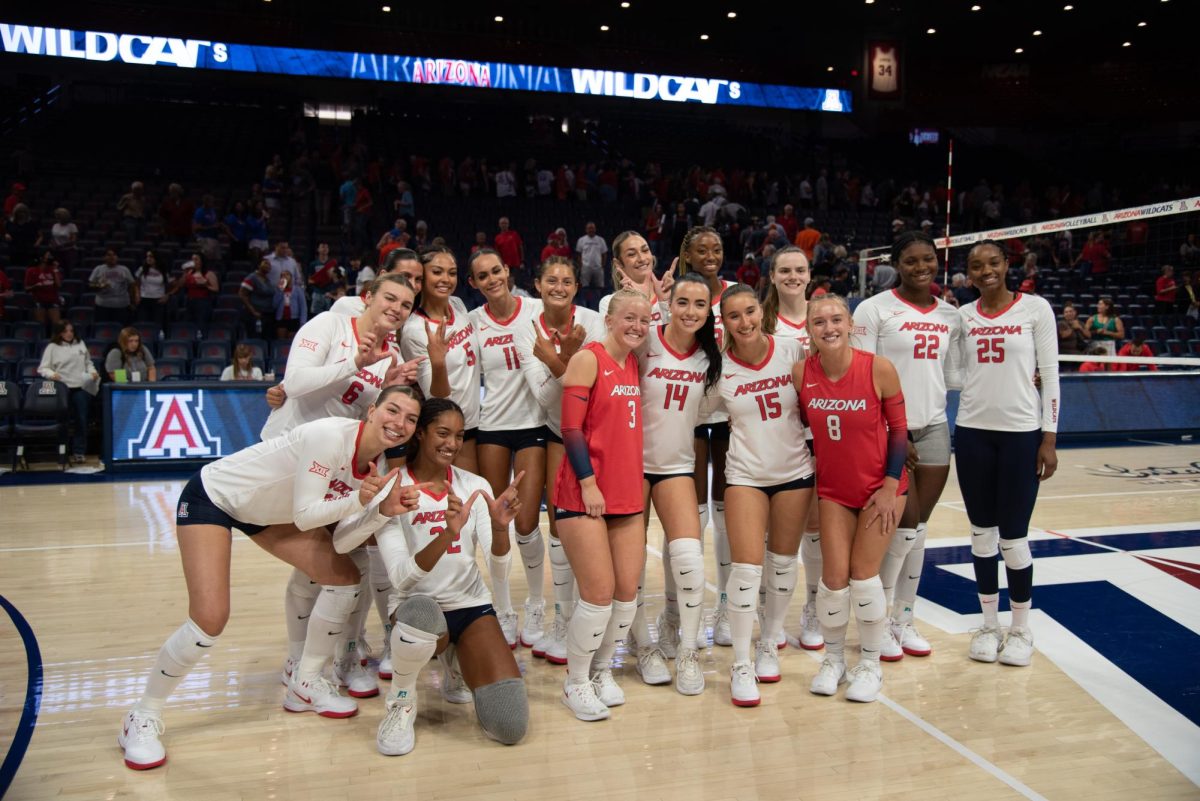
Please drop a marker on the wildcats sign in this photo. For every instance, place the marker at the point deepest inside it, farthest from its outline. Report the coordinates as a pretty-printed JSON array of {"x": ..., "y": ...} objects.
[
  {"x": 422, "y": 70},
  {"x": 175, "y": 429}
]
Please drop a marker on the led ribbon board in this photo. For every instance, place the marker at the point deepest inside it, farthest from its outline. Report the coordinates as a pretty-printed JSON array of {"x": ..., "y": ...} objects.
[{"x": 166, "y": 51}]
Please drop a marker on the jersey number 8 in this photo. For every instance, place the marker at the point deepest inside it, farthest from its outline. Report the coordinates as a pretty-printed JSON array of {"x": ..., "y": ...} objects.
[{"x": 833, "y": 426}]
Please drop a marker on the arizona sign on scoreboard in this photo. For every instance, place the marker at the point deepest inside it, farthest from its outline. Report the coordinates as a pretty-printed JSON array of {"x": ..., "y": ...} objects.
[{"x": 183, "y": 53}]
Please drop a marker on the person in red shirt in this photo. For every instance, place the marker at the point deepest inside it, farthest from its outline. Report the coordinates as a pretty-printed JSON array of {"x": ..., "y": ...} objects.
[
  {"x": 6, "y": 291},
  {"x": 556, "y": 245},
  {"x": 42, "y": 281},
  {"x": 807, "y": 238},
  {"x": 852, "y": 402},
  {"x": 1165, "y": 291},
  {"x": 1136, "y": 347},
  {"x": 177, "y": 212},
  {"x": 1096, "y": 367},
  {"x": 791, "y": 226},
  {"x": 509, "y": 245},
  {"x": 1095, "y": 256},
  {"x": 598, "y": 501}
]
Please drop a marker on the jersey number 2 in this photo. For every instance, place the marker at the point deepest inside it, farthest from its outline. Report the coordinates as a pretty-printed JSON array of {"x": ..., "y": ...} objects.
[
  {"x": 926, "y": 346},
  {"x": 991, "y": 351},
  {"x": 453, "y": 547}
]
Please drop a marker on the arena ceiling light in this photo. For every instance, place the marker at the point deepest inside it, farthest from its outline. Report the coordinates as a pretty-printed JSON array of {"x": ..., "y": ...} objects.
[
  {"x": 1126, "y": 44},
  {"x": 498, "y": 18},
  {"x": 732, "y": 15},
  {"x": 1037, "y": 33},
  {"x": 977, "y": 8},
  {"x": 931, "y": 31},
  {"x": 604, "y": 27},
  {"x": 1141, "y": 25},
  {"x": 704, "y": 37},
  {"x": 1068, "y": 8},
  {"x": 829, "y": 69},
  {"x": 1019, "y": 50},
  {"x": 386, "y": 9},
  {"x": 624, "y": 5}
]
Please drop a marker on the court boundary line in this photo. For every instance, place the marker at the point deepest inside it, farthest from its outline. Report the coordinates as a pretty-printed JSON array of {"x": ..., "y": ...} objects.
[
  {"x": 933, "y": 731},
  {"x": 33, "y": 698}
]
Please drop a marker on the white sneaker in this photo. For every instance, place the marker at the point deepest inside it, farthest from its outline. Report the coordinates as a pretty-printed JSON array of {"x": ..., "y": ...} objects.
[
  {"x": 831, "y": 673},
  {"x": 889, "y": 647},
  {"x": 454, "y": 689},
  {"x": 350, "y": 673},
  {"x": 766, "y": 662},
  {"x": 581, "y": 699},
  {"x": 509, "y": 625},
  {"x": 866, "y": 680},
  {"x": 689, "y": 676},
  {"x": 985, "y": 643},
  {"x": 396, "y": 736},
  {"x": 702, "y": 635},
  {"x": 320, "y": 696},
  {"x": 385, "y": 659},
  {"x": 556, "y": 649},
  {"x": 668, "y": 634},
  {"x": 810, "y": 632},
  {"x": 139, "y": 737},
  {"x": 721, "y": 632},
  {"x": 607, "y": 689},
  {"x": 289, "y": 667},
  {"x": 911, "y": 640},
  {"x": 1018, "y": 647},
  {"x": 652, "y": 666},
  {"x": 532, "y": 632},
  {"x": 743, "y": 685},
  {"x": 364, "y": 650}
]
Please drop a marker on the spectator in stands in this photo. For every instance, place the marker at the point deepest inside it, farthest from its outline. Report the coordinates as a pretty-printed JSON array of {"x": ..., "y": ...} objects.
[
  {"x": 272, "y": 187},
  {"x": 678, "y": 225},
  {"x": 64, "y": 236},
  {"x": 842, "y": 283},
  {"x": 324, "y": 272},
  {"x": 404, "y": 205},
  {"x": 511, "y": 247},
  {"x": 789, "y": 222},
  {"x": 364, "y": 204},
  {"x": 258, "y": 300},
  {"x": 711, "y": 211},
  {"x": 1189, "y": 299},
  {"x": 206, "y": 227},
  {"x": 153, "y": 283},
  {"x": 1094, "y": 257},
  {"x": 235, "y": 227},
  {"x": 66, "y": 359},
  {"x": 1135, "y": 347},
  {"x": 556, "y": 245},
  {"x": 420, "y": 239},
  {"x": 16, "y": 197},
  {"x": 200, "y": 288},
  {"x": 1029, "y": 280},
  {"x": 116, "y": 290},
  {"x": 290, "y": 308},
  {"x": 132, "y": 356},
  {"x": 395, "y": 237},
  {"x": 1105, "y": 325},
  {"x": 1166, "y": 291},
  {"x": 132, "y": 206},
  {"x": 22, "y": 235},
  {"x": 42, "y": 282},
  {"x": 256, "y": 231},
  {"x": 963, "y": 291},
  {"x": 176, "y": 212},
  {"x": 898, "y": 226},
  {"x": 506, "y": 182},
  {"x": 591, "y": 249},
  {"x": 748, "y": 272},
  {"x": 654, "y": 231},
  {"x": 6, "y": 292},
  {"x": 807, "y": 238},
  {"x": 281, "y": 262},
  {"x": 1094, "y": 367},
  {"x": 480, "y": 242},
  {"x": 884, "y": 278},
  {"x": 1189, "y": 252},
  {"x": 243, "y": 367}
]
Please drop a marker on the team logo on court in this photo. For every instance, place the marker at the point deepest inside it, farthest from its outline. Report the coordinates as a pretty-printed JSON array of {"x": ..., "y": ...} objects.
[
  {"x": 174, "y": 429},
  {"x": 1176, "y": 474}
]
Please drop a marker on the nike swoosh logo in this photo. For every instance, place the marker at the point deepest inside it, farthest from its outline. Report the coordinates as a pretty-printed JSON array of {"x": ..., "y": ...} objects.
[
  {"x": 913, "y": 578},
  {"x": 598, "y": 634},
  {"x": 304, "y": 617},
  {"x": 410, "y": 642},
  {"x": 910, "y": 539},
  {"x": 171, "y": 675},
  {"x": 727, "y": 377},
  {"x": 301, "y": 697},
  {"x": 868, "y": 603},
  {"x": 202, "y": 645},
  {"x": 832, "y": 613},
  {"x": 870, "y": 650},
  {"x": 1009, "y": 548},
  {"x": 978, "y": 533},
  {"x": 743, "y": 589},
  {"x": 333, "y": 633},
  {"x": 691, "y": 606},
  {"x": 782, "y": 572},
  {"x": 609, "y": 372},
  {"x": 385, "y": 589},
  {"x": 561, "y": 583},
  {"x": 685, "y": 572},
  {"x": 725, "y": 564},
  {"x": 623, "y": 626},
  {"x": 809, "y": 386}
]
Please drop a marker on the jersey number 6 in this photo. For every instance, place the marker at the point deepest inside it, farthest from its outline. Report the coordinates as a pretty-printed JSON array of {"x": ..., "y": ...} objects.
[{"x": 352, "y": 393}]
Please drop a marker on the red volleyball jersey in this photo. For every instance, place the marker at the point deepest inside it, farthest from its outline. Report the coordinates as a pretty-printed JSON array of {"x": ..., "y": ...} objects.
[
  {"x": 849, "y": 431},
  {"x": 613, "y": 429}
]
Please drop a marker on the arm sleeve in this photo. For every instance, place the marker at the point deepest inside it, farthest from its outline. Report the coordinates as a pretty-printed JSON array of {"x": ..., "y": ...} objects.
[
  {"x": 538, "y": 378},
  {"x": 309, "y": 508},
  {"x": 897, "y": 441},
  {"x": 952, "y": 365},
  {"x": 1045, "y": 340},
  {"x": 414, "y": 344},
  {"x": 866, "y": 323},
  {"x": 306, "y": 370},
  {"x": 574, "y": 410},
  {"x": 401, "y": 563}
]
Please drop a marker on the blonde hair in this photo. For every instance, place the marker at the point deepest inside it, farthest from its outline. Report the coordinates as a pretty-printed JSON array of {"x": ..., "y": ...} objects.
[
  {"x": 624, "y": 296},
  {"x": 828, "y": 297},
  {"x": 616, "y": 258}
]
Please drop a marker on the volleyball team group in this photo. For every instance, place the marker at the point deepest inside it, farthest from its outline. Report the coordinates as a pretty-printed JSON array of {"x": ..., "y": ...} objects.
[{"x": 382, "y": 472}]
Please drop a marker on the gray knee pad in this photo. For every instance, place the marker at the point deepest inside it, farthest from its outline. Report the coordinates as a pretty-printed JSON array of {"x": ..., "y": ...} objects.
[
  {"x": 503, "y": 710},
  {"x": 422, "y": 612}
]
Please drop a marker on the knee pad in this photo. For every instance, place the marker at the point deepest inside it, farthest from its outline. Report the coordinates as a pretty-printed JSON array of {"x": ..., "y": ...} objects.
[
  {"x": 781, "y": 580},
  {"x": 362, "y": 560},
  {"x": 1016, "y": 553},
  {"x": 336, "y": 602},
  {"x": 422, "y": 612},
  {"x": 687, "y": 564},
  {"x": 742, "y": 590},
  {"x": 985, "y": 542},
  {"x": 870, "y": 605},
  {"x": 503, "y": 710},
  {"x": 810, "y": 547},
  {"x": 302, "y": 586},
  {"x": 903, "y": 540},
  {"x": 833, "y": 606}
]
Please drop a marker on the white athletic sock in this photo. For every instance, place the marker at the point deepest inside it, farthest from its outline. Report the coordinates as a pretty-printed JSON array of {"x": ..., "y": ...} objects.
[
  {"x": 833, "y": 607},
  {"x": 381, "y": 585},
  {"x": 670, "y": 593},
  {"x": 810, "y": 555},
  {"x": 178, "y": 655},
  {"x": 1020, "y": 613},
  {"x": 780, "y": 581},
  {"x": 893, "y": 559},
  {"x": 498, "y": 568},
  {"x": 687, "y": 563},
  {"x": 721, "y": 543},
  {"x": 703, "y": 511},
  {"x": 990, "y": 605},
  {"x": 618, "y": 627},
  {"x": 742, "y": 592},
  {"x": 533, "y": 557},
  {"x": 585, "y": 632},
  {"x": 411, "y": 649},
  {"x": 870, "y": 610},
  {"x": 329, "y": 618},
  {"x": 910, "y": 576},
  {"x": 348, "y": 642},
  {"x": 563, "y": 579},
  {"x": 298, "y": 600},
  {"x": 640, "y": 627}
]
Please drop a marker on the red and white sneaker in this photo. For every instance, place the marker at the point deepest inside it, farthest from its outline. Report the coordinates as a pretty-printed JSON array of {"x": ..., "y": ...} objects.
[
  {"x": 357, "y": 680},
  {"x": 285, "y": 673},
  {"x": 320, "y": 696},
  {"x": 910, "y": 639},
  {"x": 139, "y": 737}
]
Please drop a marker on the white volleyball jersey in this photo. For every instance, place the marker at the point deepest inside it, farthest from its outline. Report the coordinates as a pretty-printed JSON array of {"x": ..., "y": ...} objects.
[
  {"x": 999, "y": 356},
  {"x": 673, "y": 402},
  {"x": 306, "y": 477},
  {"x": 547, "y": 390},
  {"x": 462, "y": 362},
  {"x": 718, "y": 414},
  {"x": 787, "y": 329},
  {"x": 354, "y": 305},
  {"x": 660, "y": 310},
  {"x": 508, "y": 402},
  {"x": 321, "y": 379},
  {"x": 455, "y": 581},
  {"x": 766, "y": 435},
  {"x": 924, "y": 344}
]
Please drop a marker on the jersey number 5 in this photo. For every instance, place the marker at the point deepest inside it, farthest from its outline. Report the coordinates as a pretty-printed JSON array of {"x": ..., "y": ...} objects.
[
  {"x": 926, "y": 346},
  {"x": 769, "y": 406},
  {"x": 991, "y": 351},
  {"x": 453, "y": 547}
]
